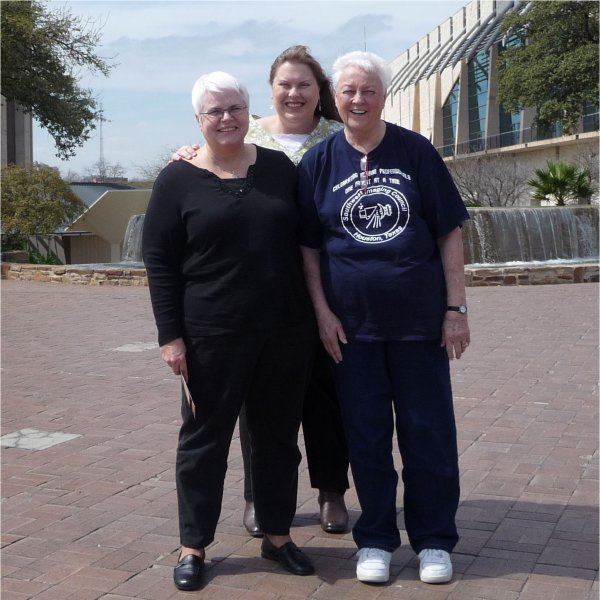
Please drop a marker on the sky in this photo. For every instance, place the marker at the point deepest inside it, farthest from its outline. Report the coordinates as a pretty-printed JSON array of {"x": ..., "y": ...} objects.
[{"x": 160, "y": 48}]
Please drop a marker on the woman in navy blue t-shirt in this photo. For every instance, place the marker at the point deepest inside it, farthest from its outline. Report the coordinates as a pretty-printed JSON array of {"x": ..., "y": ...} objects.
[{"x": 383, "y": 258}]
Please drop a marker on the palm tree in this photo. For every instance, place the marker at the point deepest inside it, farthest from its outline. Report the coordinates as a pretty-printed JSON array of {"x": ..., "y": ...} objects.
[{"x": 561, "y": 181}]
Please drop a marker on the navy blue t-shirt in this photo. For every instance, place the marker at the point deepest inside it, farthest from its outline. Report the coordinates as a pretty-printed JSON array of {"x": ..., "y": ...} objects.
[{"x": 380, "y": 264}]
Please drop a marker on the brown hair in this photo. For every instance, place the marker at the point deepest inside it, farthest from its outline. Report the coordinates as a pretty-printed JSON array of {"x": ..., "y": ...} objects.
[{"x": 301, "y": 54}]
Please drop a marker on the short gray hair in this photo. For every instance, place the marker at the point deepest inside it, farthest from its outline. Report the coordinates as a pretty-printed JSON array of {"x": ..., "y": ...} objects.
[
  {"x": 217, "y": 81},
  {"x": 367, "y": 61}
]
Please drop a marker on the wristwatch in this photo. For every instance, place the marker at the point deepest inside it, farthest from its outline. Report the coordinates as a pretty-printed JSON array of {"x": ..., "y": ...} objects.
[{"x": 462, "y": 309}]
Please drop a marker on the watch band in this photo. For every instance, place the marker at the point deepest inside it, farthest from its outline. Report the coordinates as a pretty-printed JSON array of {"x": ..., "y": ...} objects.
[{"x": 462, "y": 309}]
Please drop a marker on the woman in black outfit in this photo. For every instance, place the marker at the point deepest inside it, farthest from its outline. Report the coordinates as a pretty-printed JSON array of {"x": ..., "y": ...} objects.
[
  {"x": 304, "y": 114},
  {"x": 234, "y": 320}
]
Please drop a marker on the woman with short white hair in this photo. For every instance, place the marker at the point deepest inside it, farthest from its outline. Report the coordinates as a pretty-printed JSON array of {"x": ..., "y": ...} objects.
[
  {"x": 304, "y": 115},
  {"x": 234, "y": 320},
  {"x": 381, "y": 240}
]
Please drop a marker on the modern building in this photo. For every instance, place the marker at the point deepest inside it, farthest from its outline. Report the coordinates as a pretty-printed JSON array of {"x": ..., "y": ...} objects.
[
  {"x": 97, "y": 236},
  {"x": 17, "y": 138},
  {"x": 444, "y": 86}
]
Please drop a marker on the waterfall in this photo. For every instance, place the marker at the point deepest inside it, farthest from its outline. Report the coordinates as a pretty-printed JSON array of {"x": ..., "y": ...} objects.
[
  {"x": 491, "y": 235},
  {"x": 132, "y": 242},
  {"x": 501, "y": 235}
]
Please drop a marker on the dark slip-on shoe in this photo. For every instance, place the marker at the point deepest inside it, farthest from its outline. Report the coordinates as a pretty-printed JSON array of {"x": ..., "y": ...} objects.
[
  {"x": 289, "y": 556},
  {"x": 187, "y": 575},
  {"x": 333, "y": 513}
]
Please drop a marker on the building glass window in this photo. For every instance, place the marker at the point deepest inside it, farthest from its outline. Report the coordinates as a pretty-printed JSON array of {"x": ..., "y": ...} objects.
[
  {"x": 478, "y": 99},
  {"x": 514, "y": 40},
  {"x": 449, "y": 118},
  {"x": 510, "y": 122},
  {"x": 510, "y": 127},
  {"x": 548, "y": 132},
  {"x": 590, "y": 117}
]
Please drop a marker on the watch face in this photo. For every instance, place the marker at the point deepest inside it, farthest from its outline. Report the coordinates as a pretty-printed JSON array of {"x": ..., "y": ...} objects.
[{"x": 462, "y": 309}]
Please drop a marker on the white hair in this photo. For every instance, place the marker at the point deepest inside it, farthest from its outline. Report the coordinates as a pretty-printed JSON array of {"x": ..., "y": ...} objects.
[
  {"x": 217, "y": 81},
  {"x": 367, "y": 61}
]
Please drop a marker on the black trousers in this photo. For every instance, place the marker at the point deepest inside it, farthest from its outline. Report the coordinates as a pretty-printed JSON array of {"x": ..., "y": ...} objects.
[
  {"x": 324, "y": 439},
  {"x": 267, "y": 373}
]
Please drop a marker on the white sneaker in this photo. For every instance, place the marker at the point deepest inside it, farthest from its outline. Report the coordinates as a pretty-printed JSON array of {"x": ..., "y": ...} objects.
[
  {"x": 435, "y": 566},
  {"x": 373, "y": 565}
]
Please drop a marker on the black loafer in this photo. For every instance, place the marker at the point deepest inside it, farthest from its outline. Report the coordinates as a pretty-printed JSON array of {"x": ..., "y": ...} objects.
[
  {"x": 187, "y": 575},
  {"x": 289, "y": 555},
  {"x": 250, "y": 520}
]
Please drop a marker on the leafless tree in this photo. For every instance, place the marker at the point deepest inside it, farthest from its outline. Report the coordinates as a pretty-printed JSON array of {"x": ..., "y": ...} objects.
[
  {"x": 149, "y": 170},
  {"x": 587, "y": 158},
  {"x": 115, "y": 170},
  {"x": 490, "y": 181},
  {"x": 72, "y": 176},
  {"x": 103, "y": 169},
  {"x": 96, "y": 170}
]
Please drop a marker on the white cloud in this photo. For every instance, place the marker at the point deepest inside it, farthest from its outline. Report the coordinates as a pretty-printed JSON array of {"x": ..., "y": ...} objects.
[{"x": 162, "y": 47}]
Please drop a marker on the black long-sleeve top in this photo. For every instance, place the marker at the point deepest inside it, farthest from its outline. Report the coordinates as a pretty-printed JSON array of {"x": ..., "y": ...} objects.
[{"x": 222, "y": 256}]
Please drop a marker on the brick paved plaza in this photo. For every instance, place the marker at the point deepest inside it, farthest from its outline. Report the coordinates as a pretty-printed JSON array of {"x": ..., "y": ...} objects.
[{"x": 90, "y": 512}]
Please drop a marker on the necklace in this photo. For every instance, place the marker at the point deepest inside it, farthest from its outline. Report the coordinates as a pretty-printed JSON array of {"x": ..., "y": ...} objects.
[{"x": 235, "y": 171}]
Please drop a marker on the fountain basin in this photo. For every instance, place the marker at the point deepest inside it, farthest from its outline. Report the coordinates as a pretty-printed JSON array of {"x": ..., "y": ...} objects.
[
  {"x": 515, "y": 246},
  {"x": 495, "y": 236},
  {"x": 475, "y": 275}
]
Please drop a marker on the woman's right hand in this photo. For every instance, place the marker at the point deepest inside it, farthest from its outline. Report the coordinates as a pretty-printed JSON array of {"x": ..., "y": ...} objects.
[
  {"x": 187, "y": 152},
  {"x": 173, "y": 353}
]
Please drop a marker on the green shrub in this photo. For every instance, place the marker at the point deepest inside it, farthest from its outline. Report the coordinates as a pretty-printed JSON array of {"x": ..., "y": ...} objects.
[{"x": 561, "y": 182}]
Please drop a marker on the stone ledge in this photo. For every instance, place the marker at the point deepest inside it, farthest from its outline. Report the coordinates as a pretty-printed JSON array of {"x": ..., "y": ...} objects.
[
  {"x": 474, "y": 276},
  {"x": 531, "y": 275},
  {"x": 75, "y": 274}
]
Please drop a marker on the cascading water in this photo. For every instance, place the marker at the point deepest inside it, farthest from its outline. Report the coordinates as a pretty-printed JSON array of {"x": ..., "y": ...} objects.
[
  {"x": 490, "y": 236},
  {"x": 132, "y": 242},
  {"x": 504, "y": 235}
]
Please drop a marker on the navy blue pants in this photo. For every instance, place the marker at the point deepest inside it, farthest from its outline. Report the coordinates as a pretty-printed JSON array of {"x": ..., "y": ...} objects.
[{"x": 408, "y": 381}]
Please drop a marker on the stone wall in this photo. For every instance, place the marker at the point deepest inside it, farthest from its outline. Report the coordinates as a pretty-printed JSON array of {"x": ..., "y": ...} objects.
[
  {"x": 74, "y": 274},
  {"x": 474, "y": 277},
  {"x": 532, "y": 275}
]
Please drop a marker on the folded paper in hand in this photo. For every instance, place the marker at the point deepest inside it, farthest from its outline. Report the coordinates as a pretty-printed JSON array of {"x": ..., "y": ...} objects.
[{"x": 186, "y": 391}]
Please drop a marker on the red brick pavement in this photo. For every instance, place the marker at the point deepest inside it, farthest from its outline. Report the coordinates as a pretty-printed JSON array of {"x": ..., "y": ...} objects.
[{"x": 95, "y": 517}]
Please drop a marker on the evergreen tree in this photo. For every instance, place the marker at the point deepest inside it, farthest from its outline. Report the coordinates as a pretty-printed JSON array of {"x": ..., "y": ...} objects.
[
  {"x": 42, "y": 53},
  {"x": 556, "y": 70},
  {"x": 35, "y": 200}
]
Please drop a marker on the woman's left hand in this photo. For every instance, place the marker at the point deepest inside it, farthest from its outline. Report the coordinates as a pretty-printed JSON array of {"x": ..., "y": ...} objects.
[
  {"x": 332, "y": 334},
  {"x": 455, "y": 334}
]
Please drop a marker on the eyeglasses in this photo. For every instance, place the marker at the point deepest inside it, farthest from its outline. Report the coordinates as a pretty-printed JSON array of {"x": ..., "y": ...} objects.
[
  {"x": 216, "y": 114},
  {"x": 364, "y": 174}
]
